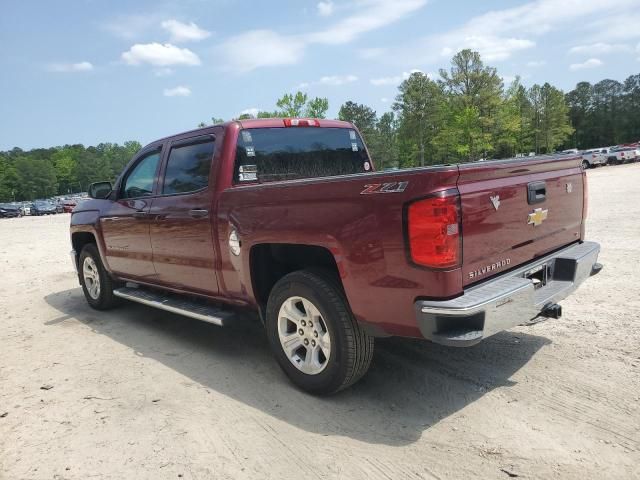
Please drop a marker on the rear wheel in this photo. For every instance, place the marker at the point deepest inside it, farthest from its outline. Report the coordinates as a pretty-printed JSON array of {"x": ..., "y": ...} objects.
[
  {"x": 585, "y": 165},
  {"x": 96, "y": 283},
  {"x": 313, "y": 334}
]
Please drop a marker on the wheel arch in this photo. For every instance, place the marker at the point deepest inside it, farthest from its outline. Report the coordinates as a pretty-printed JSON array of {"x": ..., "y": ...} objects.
[
  {"x": 79, "y": 240},
  {"x": 269, "y": 262}
]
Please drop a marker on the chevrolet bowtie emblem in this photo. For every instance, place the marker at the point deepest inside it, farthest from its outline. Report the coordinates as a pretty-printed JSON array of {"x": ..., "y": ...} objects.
[{"x": 537, "y": 217}]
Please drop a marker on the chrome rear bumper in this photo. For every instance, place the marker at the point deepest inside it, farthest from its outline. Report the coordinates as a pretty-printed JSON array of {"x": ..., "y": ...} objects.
[{"x": 507, "y": 300}]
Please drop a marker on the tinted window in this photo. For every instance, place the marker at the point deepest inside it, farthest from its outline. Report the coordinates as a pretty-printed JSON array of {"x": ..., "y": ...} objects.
[
  {"x": 139, "y": 182},
  {"x": 271, "y": 154},
  {"x": 188, "y": 168}
]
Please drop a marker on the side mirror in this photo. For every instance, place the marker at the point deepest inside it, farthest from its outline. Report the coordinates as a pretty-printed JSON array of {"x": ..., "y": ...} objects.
[{"x": 100, "y": 190}]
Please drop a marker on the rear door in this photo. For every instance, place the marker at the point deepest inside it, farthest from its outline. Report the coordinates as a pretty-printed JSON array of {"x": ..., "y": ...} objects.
[
  {"x": 181, "y": 233},
  {"x": 515, "y": 211},
  {"x": 125, "y": 225}
]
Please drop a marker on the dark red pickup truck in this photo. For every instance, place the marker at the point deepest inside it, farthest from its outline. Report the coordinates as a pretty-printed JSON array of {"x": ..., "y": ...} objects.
[{"x": 288, "y": 218}]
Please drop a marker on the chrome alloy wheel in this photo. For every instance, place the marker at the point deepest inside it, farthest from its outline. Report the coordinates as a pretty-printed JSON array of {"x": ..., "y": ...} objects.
[
  {"x": 91, "y": 277},
  {"x": 303, "y": 334}
]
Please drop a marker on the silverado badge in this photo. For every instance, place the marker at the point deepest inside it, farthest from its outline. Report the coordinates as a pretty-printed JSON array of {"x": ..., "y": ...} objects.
[
  {"x": 537, "y": 217},
  {"x": 495, "y": 201}
]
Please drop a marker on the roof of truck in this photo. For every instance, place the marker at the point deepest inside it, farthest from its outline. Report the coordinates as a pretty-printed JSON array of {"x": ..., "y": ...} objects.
[
  {"x": 279, "y": 122},
  {"x": 254, "y": 123}
]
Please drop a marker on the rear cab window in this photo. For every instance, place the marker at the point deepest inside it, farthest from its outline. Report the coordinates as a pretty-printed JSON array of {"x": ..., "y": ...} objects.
[
  {"x": 290, "y": 153},
  {"x": 188, "y": 167}
]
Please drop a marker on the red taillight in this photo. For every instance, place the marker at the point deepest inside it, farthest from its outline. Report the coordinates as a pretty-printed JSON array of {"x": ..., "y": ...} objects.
[
  {"x": 301, "y": 122},
  {"x": 433, "y": 229}
]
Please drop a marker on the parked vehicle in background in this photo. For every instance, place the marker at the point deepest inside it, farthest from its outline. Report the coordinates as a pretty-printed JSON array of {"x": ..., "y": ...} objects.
[
  {"x": 593, "y": 158},
  {"x": 287, "y": 218},
  {"x": 42, "y": 207},
  {"x": 25, "y": 208},
  {"x": 69, "y": 205},
  {"x": 619, "y": 155},
  {"x": 9, "y": 211},
  {"x": 570, "y": 151}
]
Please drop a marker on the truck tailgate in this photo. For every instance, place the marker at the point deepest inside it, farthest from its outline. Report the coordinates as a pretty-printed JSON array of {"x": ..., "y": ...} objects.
[{"x": 516, "y": 211}]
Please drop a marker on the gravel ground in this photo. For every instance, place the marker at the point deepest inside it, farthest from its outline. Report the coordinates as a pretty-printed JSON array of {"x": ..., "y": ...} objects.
[{"x": 138, "y": 393}]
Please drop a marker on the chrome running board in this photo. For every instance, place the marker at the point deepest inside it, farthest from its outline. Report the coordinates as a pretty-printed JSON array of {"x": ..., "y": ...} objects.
[{"x": 175, "y": 304}]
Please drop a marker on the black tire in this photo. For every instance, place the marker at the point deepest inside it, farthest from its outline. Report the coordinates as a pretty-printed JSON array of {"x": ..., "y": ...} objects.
[
  {"x": 351, "y": 347},
  {"x": 585, "y": 165},
  {"x": 106, "y": 299}
]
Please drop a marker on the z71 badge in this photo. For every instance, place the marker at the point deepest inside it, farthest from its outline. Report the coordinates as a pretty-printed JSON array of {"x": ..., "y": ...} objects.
[{"x": 393, "y": 187}]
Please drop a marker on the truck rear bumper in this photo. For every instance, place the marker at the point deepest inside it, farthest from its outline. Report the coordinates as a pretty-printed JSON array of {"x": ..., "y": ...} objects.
[{"x": 508, "y": 300}]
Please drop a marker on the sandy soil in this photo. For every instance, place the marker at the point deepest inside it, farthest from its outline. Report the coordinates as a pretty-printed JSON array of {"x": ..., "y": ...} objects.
[{"x": 137, "y": 393}]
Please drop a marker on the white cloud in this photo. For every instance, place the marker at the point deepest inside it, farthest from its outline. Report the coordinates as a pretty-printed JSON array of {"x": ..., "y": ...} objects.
[
  {"x": 384, "y": 100},
  {"x": 536, "y": 63},
  {"x": 446, "y": 51},
  {"x": 499, "y": 34},
  {"x": 371, "y": 15},
  {"x": 600, "y": 48},
  {"x": 179, "y": 91},
  {"x": 163, "y": 72},
  {"x": 70, "y": 67},
  {"x": 540, "y": 16},
  {"x": 159, "y": 55},
  {"x": 329, "y": 80},
  {"x": 336, "y": 80},
  {"x": 253, "y": 111},
  {"x": 591, "y": 63},
  {"x": 374, "y": 52},
  {"x": 325, "y": 9},
  {"x": 616, "y": 27},
  {"x": 491, "y": 47},
  {"x": 394, "y": 80},
  {"x": 131, "y": 26},
  {"x": 381, "y": 81},
  {"x": 184, "y": 32},
  {"x": 261, "y": 48}
]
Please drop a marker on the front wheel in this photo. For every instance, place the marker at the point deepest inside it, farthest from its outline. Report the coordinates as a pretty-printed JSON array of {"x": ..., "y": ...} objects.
[
  {"x": 313, "y": 334},
  {"x": 96, "y": 283}
]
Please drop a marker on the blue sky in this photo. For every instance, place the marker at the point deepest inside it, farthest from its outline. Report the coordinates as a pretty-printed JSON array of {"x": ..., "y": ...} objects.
[{"x": 95, "y": 71}]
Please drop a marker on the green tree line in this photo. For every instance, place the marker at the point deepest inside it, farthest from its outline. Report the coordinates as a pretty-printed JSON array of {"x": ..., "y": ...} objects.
[
  {"x": 465, "y": 114},
  {"x": 44, "y": 172}
]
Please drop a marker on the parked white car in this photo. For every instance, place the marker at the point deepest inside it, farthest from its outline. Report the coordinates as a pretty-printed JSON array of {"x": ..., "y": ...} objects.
[
  {"x": 595, "y": 157},
  {"x": 623, "y": 155}
]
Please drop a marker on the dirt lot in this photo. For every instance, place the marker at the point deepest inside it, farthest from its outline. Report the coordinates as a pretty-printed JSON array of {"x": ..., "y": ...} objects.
[{"x": 138, "y": 393}]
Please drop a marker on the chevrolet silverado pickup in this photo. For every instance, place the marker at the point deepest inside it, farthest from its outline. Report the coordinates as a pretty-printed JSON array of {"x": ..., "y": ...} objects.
[{"x": 288, "y": 218}]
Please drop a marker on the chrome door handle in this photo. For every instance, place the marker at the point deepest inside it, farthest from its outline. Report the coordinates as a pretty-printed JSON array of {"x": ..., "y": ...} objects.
[
  {"x": 140, "y": 214},
  {"x": 198, "y": 212}
]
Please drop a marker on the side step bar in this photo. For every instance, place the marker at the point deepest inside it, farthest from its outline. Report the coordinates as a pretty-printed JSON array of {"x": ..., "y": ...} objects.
[{"x": 175, "y": 304}]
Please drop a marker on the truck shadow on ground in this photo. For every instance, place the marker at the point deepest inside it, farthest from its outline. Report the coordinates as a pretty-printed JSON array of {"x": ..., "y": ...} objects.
[{"x": 411, "y": 384}]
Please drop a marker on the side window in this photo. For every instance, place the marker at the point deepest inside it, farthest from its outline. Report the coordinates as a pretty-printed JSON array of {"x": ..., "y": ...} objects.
[
  {"x": 188, "y": 168},
  {"x": 139, "y": 182}
]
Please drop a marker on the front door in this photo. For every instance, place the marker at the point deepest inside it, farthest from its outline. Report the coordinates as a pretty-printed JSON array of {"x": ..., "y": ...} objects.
[
  {"x": 180, "y": 228},
  {"x": 125, "y": 225}
]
